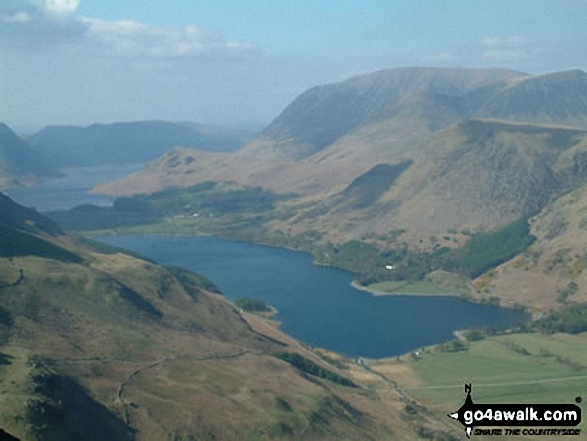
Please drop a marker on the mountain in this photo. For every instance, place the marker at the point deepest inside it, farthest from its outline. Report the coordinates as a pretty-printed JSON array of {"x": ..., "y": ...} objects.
[
  {"x": 347, "y": 127},
  {"x": 325, "y": 114},
  {"x": 97, "y": 344},
  {"x": 453, "y": 149},
  {"x": 130, "y": 142},
  {"x": 19, "y": 162}
]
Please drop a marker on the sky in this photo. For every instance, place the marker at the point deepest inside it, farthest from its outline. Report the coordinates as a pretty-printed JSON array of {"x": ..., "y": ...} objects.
[{"x": 240, "y": 62}]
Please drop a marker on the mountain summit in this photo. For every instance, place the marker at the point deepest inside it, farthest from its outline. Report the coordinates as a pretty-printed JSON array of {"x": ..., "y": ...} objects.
[{"x": 472, "y": 148}]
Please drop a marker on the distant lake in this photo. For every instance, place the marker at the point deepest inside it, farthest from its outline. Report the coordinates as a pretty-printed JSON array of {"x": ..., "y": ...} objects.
[
  {"x": 317, "y": 304},
  {"x": 71, "y": 190}
]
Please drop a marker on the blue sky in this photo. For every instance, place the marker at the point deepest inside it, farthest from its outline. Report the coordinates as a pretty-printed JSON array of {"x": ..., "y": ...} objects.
[
  {"x": 351, "y": 27},
  {"x": 241, "y": 62}
]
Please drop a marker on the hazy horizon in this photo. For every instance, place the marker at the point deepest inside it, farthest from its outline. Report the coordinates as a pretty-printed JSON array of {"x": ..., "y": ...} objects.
[{"x": 240, "y": 63}]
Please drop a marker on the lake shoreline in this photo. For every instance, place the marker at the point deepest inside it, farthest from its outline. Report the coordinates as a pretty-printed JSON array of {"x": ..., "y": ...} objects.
[
  {"x": 319, "y": 306},
  {"x": 360, "y": 287}
]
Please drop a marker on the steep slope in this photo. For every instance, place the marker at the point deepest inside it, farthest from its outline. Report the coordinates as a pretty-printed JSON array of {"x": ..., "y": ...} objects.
[
  {"x": 464, "y": 171},
  {"x": 552, "y": 271},
  {"x": 19, "y": 163},
  {"x": 478, "y": 174},
  {"x": 130, "y": 142},
  {"x": 324, "y": 114},
  {"x": 113, "y": 347},
  {"x": 13, "y": 215},
  {"x": 556, "y": 98}
]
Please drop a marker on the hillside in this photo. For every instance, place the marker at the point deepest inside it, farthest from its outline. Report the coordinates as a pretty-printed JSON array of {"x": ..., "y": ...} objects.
[
  {"x": 332, "y": 134},
  {"x": 415, "y": 158},
  {"x": 19, "y": 162},
  {"x": 103, "y": 345},
  {"x": 551, "y": 272},
  {"x": 478, "y": 174},
  {"x": 130, "y": 142},
  {"x": 556, "y": 98}
]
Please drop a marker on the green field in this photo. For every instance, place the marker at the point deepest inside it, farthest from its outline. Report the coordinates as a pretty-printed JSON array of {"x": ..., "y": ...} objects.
[
  {"x": 519, "y": 368},
  {"x": 403, "y": 287}
]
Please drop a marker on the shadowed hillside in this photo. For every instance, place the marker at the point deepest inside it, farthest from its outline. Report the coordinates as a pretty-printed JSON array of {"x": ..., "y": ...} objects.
[
  {"x": 19, "y": 162},
  {"x": 559, "y": 98}
]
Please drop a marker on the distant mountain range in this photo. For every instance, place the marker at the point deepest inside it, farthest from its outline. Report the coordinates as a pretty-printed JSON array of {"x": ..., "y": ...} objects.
[
  {"x": 477, "y": 148},
  {"x": 130, "y": 142},
  {"x": 19, "y": 162}
]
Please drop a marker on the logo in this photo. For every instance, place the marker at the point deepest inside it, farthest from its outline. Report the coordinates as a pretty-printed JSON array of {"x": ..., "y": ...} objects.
[{"x": 472, "y": 415}]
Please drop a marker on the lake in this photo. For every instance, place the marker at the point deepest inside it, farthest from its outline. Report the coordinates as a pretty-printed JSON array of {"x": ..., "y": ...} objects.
[
  {"x": 71, "y": 190},
  {"x": 317, "y": 304}
]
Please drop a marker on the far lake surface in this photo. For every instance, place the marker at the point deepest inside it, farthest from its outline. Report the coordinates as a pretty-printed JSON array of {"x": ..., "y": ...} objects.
[
  {"x": 317, "y": 304},
  {"x": 73, "y": 189}
]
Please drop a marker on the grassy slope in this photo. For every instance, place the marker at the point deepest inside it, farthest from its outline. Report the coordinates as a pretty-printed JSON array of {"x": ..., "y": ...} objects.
[
  {"x": 71, "y": 312},
  {"x": 155, "y": 348},
  {"x": 349, "y": 127}
]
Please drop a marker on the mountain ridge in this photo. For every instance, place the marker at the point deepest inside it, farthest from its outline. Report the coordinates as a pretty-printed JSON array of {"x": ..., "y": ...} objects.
[{"x": 126, "y": 142}]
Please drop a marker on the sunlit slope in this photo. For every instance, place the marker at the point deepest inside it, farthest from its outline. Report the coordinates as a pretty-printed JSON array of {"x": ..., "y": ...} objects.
[
  {"x": 103, "y": 345},
  {"x": 552, "y": 271},
  {"x": 478, "y": 174},
  {"x": 482, "y": 147},
  {"x": 331, "y": 134}
]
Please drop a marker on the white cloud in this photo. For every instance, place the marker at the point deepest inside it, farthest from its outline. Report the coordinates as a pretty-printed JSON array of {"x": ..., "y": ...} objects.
[
  {"x": 133, "y": 38},
  {"x": 37, "y": 25},
  {"x": 40, "y": 24},
  {"x": 510, "y": 48},
  {"x": 62, "y": 6}
]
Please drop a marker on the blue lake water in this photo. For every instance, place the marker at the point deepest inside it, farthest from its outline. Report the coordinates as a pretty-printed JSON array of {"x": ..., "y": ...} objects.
[
  {"x": 71, "y": 190},
  {"x": 317, "y": 304}
]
